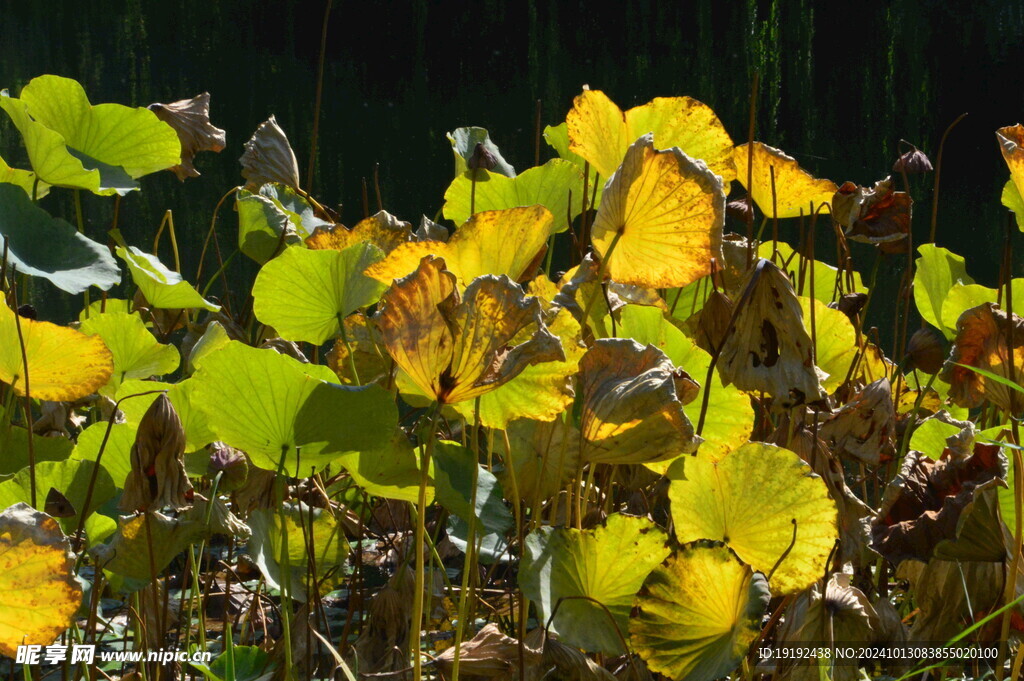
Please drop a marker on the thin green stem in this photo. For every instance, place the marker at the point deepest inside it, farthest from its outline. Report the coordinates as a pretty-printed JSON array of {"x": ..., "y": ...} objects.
[{"x": 421, "y": 512}]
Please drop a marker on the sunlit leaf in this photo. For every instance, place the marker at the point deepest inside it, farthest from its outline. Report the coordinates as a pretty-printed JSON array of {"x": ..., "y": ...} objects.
[
  {"x": 299, "y": 422},
  {"x": 1011, "y": 144},
  {"x": 305, "y": 294},
  {"x": 795, "y": 189},
  {"x": 382, "y": 229},
  {"x": 730, "y": 416},
  {"x": 835, "y": 341},
  {"x": 269, "y": 157},
  {"x": 101, "y": 148},
  {"x": 607, "y": 564},
  {"x": 544, "y": 455},
  {"x": 63, "y": 364},
  {"x": 756, "y": 499},
  {"x": 272, "y": 217},
  {"x": 190, "y": 119},
  {"x": 146, "y": 543},
  {"x": 492, "y": 242},
  {"x": 163, "y": 288},
  {"x": 326, "y": 542},
  {"x": 464, "y": 142},
  {"x": 558, "y": 137},
  {"x": 699, "y": 613},
  {"x": 25, "y": 179},
  {"x": 137, "y": 353},
  {"x": 1011, "y": 198},
  {"x": 548, "y": 185},
  {"x": 453, "y": 482},
  {"x": 824, "y": 274},
  {"x": 600, "y": 131},
  {"x": 666, "y": 212},
  {"x": 391, "y": 471},
  {"x": 962, "y": 297},
  {"x": 70, "y": 478},
  {"x": 37, "y": 578},
  {"x": 48, "y": 247},
  {"x": 935, "y": 273},
  {"x": 116, "y": 458},
  {"x": 14, "y": 445},
  {"x": 631, "y": 409},
  {"x": 992, "y": 341},
  {"x": 456, "y": 348}
]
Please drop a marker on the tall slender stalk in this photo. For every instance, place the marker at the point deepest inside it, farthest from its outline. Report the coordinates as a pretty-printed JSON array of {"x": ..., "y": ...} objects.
[{"x": 426, "y": 451}]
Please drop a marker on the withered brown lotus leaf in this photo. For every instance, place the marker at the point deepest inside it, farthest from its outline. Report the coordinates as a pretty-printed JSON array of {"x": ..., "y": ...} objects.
[
  {"x": 879, "y": 215},
  {"x": 455, "y": 348},
  {"x": 269, "y": 157},
  {"x": 190, "y": 118},
  {"x": 566, "y": 662},
  {"x": 430, "y": 231},
  {"x": 544, "y": 454},
  {"x": 221, "y": 520},
  {"x": 850, "y": 304},
  {"x": 1011, "y": 144},
  {"x": 768, "y": 348},
  {"x": 578, "y": 285},
  {"x": 926, "y": 350},
  {"x": 128, "y": 551},
  {"x": 382, "y": 229},
  {"x": 948, "y": 593},
  {"x": 157, "y": 478},
  {"x": 713, "y": 321},
  {"x": 383, "y": 644},
  {"x": 863, "y": 428},
  {"x": 491, "y": 655},
  {"x": 939, "y": 507},
  {"x": 631, "y": 408},
  {"x": 983, "y": 341},
  {"x": 285, "y": 347},
  {"x": 913, "y": 162}
]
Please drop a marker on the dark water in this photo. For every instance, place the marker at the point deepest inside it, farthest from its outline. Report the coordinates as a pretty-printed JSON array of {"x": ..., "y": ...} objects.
[{"x": 841, "y": 84}]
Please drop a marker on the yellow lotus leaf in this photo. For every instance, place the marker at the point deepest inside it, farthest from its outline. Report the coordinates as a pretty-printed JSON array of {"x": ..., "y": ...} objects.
[
  {"x": 1011, "y": 143},
  {"x": 453, "y": 347},
  {"x": 835, "y": 341},
  {"x": 982, "y": 341},
  {"x": 768, "y": 348},
  {"x": 632, "y": 411},
  {"x": 664, "y": 212},
  {"x": 698, "y": 614},
  {"x": 491, "y": 242},
  {"x": 600, "y": 132},
  {"x": 756, "y": 499},
  {"x": 383, "y": 230},
  {"x": 37, "y": 580},
  {"x": 795, "y": 188},
  {"x": 63, "y": 364}
]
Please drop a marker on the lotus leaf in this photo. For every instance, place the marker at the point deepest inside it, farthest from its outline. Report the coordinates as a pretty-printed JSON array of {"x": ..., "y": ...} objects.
[
  {"x": 549, "y": 185},
  {"x": 136, "y": 352},
  {"x": 797, "y": 192},
  {"x": 163, "y": 288}
]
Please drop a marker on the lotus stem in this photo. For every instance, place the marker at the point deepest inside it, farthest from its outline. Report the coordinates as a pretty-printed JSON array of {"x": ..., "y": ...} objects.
[
  {"x": 470, "y": 563},
  {"x": 421, "y": 512}
]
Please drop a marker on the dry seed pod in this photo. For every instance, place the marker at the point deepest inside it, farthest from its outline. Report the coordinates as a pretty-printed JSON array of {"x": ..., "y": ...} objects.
[
  {"x": 231, "y": 462},
  {"x": 926, "y": 350},
  {"x": 714, "y": 321},
  {"x": 157, "y": 478},
  {"x": 914, "y": 162}
]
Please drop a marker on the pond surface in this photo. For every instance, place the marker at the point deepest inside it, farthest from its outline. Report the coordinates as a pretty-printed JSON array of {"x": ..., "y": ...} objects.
[{"x": 840, "y": 86}]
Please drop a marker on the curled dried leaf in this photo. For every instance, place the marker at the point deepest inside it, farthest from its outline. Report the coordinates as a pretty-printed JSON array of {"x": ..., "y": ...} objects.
[
  {"x": 190, "y": 118},
  {"x": 632, "y": 412},
  {"x": 157, "y": 478},
  {"x": 382, "y": 229},
  {"x": 768, "y": 348},
  {"x": 863, "y": 428},
  {"x": 982, "y": 341},
  {"x": 269, "y": 157},
  {"x": 879, "y": 215}
]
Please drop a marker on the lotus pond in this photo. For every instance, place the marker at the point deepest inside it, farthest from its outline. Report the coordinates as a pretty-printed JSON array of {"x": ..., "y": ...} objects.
[{"x": 594, "y": 420}]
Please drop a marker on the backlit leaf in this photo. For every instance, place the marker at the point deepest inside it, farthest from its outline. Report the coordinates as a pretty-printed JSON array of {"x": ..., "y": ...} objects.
[
  {"x": 70, "y": 478},
  {"x": 1011, "y": 198},
  {"x": 25, "y": 179},
  {"x": 548, "y": 185},
  {"x": 699, "y": 613},
  {"x": 607, "y": 564},
  {"x": 137, "y": 353},
  {"x": 667, "y": 211},
  {"x": 935, "y": 273},
  {"x": 464, "y": 142},
  {"x": 163, "y": 288},
  {"x": 795, "y": 189},
  {"x": 41, "y": 595},
  {"x": 305, "y": 294},
  {"x": 382, "y": 229},
  {"x": 63, "y": 364},
  {"x": 1011, "y": 144},
  {"x": 835, "y": 341},
  {"x": 755, "y": 499}
]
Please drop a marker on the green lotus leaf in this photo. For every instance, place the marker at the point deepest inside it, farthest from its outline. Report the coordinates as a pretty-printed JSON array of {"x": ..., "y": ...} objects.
[
  {"x": 825, "y": 275},
  {"x": 134, "y": 553},
  {"x": 299, "y": 422},
  {"x": 541, "y": 391},
  {"x": 835, "y": 341},
  {"x": 464, "y": 141},
  {"x": 549, "y": 185},
  {"x": 268, "y": 547},
  {"x": 107, "y": 305},
  {"x": 962, "y": 297},
  {"x": 1010, "y": 198},
  {"x": 754, "y": 499},
  {"x": 48, "y": 247},
  {"x": 935, "y": 273},
  {"x": 14, "y": 447},
  {"x": 453, "y": 482},
  {"x": 607, "y": 564},
  {"x": 213, "y": 338},
  {"x": 490, "y": 547},
  {"x": 929, "y": 438},
  {"x": 117, "y": 457},
  {"x": 391, "y": 471},
  {"x": 557, "y": 137},
  {"x": 305, "y": 294},
  {"x": 264, "y": 216},
  {"x": 70, "y": 478},
  {"x": 101, "y": 148},
  {"x": 730, "y": 416},
  {"x": 699, "y": 614},
  {"x": 25, "y": 179},
  {"x": 164, "y": 288},
  {"x": 137, "y": 353}
]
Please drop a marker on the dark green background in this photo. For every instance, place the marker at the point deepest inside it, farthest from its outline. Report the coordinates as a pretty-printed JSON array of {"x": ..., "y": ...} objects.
[{"x": 842, "y": 83}]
